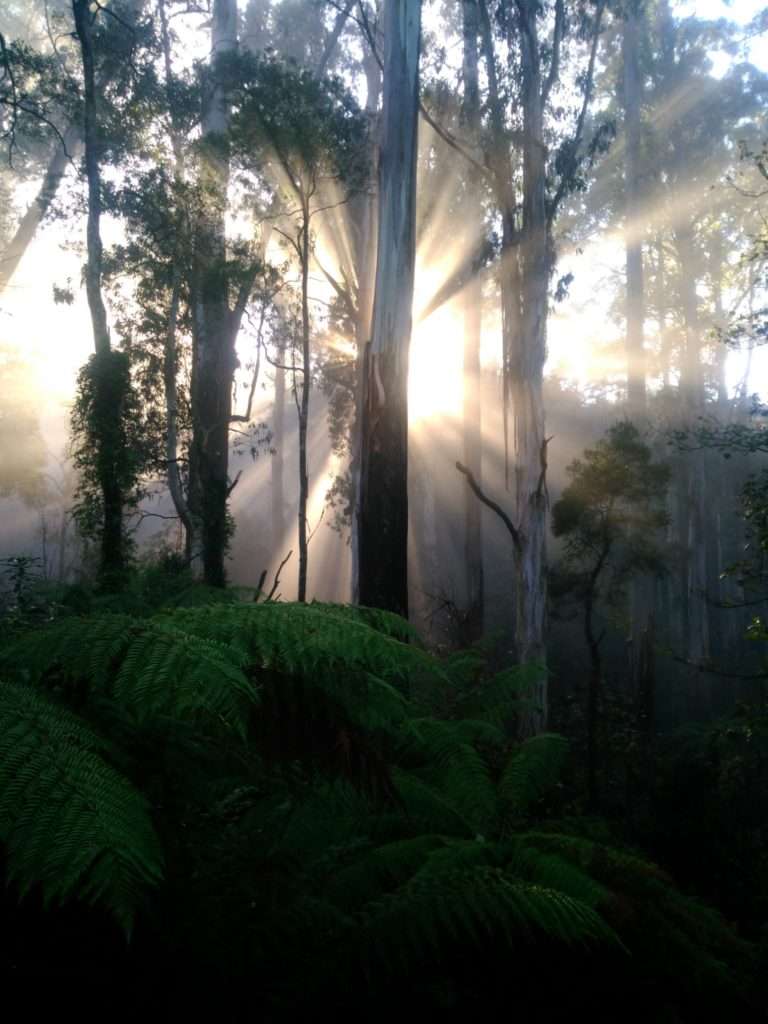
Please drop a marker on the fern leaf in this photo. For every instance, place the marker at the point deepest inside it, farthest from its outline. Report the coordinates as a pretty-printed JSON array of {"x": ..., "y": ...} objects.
[
  {"x": 68, "y": 820},
  {"x": 531, "y": 771}
]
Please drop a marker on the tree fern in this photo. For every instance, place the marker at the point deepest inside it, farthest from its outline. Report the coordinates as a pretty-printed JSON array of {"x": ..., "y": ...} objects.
[
  {"x": 148, "y": 665},
  {"x": 68, "y": 820},
  {"x": 531, "y": 771},
  {"x": 442, "y": 908}
]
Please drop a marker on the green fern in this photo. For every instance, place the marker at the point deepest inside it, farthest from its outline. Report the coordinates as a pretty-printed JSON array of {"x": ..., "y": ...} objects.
[
  {"x": 532, "y": 770},
  {"x": 440, "y": 908},
  {"x": 149, "y": 666},
  {"x": 68, "y": 820}
]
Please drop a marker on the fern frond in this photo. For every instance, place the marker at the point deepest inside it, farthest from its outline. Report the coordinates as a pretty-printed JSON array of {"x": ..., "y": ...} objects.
[
  {"x": 147, "y": 665},
  {"x": 435, "y": 752},
  {"x": 531, "y": 771},
  {"x": 68, "y": 820},
  {"x": 505, "y": 693},
  {"x": 437, "y": 911}
]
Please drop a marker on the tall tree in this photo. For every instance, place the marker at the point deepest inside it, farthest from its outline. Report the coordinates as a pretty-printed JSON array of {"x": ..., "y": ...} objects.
[
  {"x": 383, "y": 503},
  {"x": 473, "y": 314},
  {"x": 108, "y": 373},
  {"x": 215, "y": 319}
]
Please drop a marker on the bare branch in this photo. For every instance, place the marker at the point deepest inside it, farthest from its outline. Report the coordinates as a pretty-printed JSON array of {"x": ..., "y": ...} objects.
[{"x": 517, "y": 538}]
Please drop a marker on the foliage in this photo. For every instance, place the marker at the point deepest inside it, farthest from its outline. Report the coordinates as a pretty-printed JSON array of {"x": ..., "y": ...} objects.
[
  {"x": 314, "y": 820},
  {"x": 108, "y": 438},
  {"x": 614, "y": 505}
]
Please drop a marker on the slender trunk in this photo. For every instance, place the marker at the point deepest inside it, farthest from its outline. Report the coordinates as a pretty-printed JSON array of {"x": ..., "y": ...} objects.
[
  {"x": 593, "y": 700},
  {"x": 661, "y": 313},
  {"x": 384, "y": 458},
  {"x": 633, "y": 215},
  {"x": 108, "y": 368},
  {"x": 641, "y": 586},
  {"x": 473, "y": 536},
  {"x": 595, "y": 676},
  {"x": 692, "y": 386},
  {"x": 278, "y": 459},
  {"x": 170, "y": 356},
  {"x": 527, "y": 368},
  {"x": 363, "y": 209},
  {"x": 306, "y": 380},
  {"x": 214, "y": 330}
]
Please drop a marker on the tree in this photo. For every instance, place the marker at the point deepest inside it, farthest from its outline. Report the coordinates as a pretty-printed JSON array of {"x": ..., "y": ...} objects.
[
  {"x": 105, "y": 383},
  {"x": 608, "y": 518},
  {"x": 383, "y": 502},
  {"x": 216, "y": 312}
]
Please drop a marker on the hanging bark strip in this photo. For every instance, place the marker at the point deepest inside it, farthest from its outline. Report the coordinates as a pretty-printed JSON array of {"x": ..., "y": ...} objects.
[{"x": 383, "y": 506}]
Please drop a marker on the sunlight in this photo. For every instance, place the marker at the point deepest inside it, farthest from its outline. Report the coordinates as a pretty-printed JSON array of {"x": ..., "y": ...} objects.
[{"x": 435, "y": 385}]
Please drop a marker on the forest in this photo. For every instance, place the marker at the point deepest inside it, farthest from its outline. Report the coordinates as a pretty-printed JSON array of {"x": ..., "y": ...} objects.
[{"x": 384, "y": 509}]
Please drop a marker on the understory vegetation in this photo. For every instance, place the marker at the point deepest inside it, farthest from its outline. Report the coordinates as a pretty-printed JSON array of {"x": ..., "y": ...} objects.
[{"x": 247, "y": 806}]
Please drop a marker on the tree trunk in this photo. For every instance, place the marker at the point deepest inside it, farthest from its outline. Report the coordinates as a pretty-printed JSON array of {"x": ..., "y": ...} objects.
[
  {"x": 306, "y": 382},
  {"x": 692, "y": 387},
  {"x": 633, "y": 238},
  {"x": 109, "y": 373},
  {"x": 170, "y": 355},
  {"x": 214, "y": 332},
  {"x": 278, "y": 459},
  {"x": 641, "y": 586},
  {"x": 526, "y": 378},
  {"x": 363, "y": 214},
  {"x": 473, "y": 298},
  {"x": 384, "y": 456}
]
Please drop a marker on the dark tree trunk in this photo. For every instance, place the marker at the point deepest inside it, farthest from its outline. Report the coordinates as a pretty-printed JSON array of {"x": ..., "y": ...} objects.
[{"x": 383, "y": 512}]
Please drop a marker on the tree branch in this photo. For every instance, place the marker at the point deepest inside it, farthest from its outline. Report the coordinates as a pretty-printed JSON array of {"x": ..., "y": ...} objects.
[{"x": 517, "y": 538}]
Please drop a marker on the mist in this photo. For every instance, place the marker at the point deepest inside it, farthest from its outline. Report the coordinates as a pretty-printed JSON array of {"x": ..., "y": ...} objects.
[{"x": 450, "y": 312}]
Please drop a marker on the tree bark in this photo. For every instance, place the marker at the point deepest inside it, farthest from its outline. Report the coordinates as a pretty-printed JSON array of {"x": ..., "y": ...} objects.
[
  {"x": 363, "y": 215},
  {"x": 306, "y": 383},
  {"x": 278, "y": 459},
  {"x": 170, "y": 355},
  {"x": 642, "y": 586},
  {"x": 384, "y": 458},
  {"x": 633, "y": 238},
  {"x": 214, "y": 329},
  {"x": 473, "y": 299},
  {"x": 526, "y": 377},
  {"x": 692, "y": 388}
]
